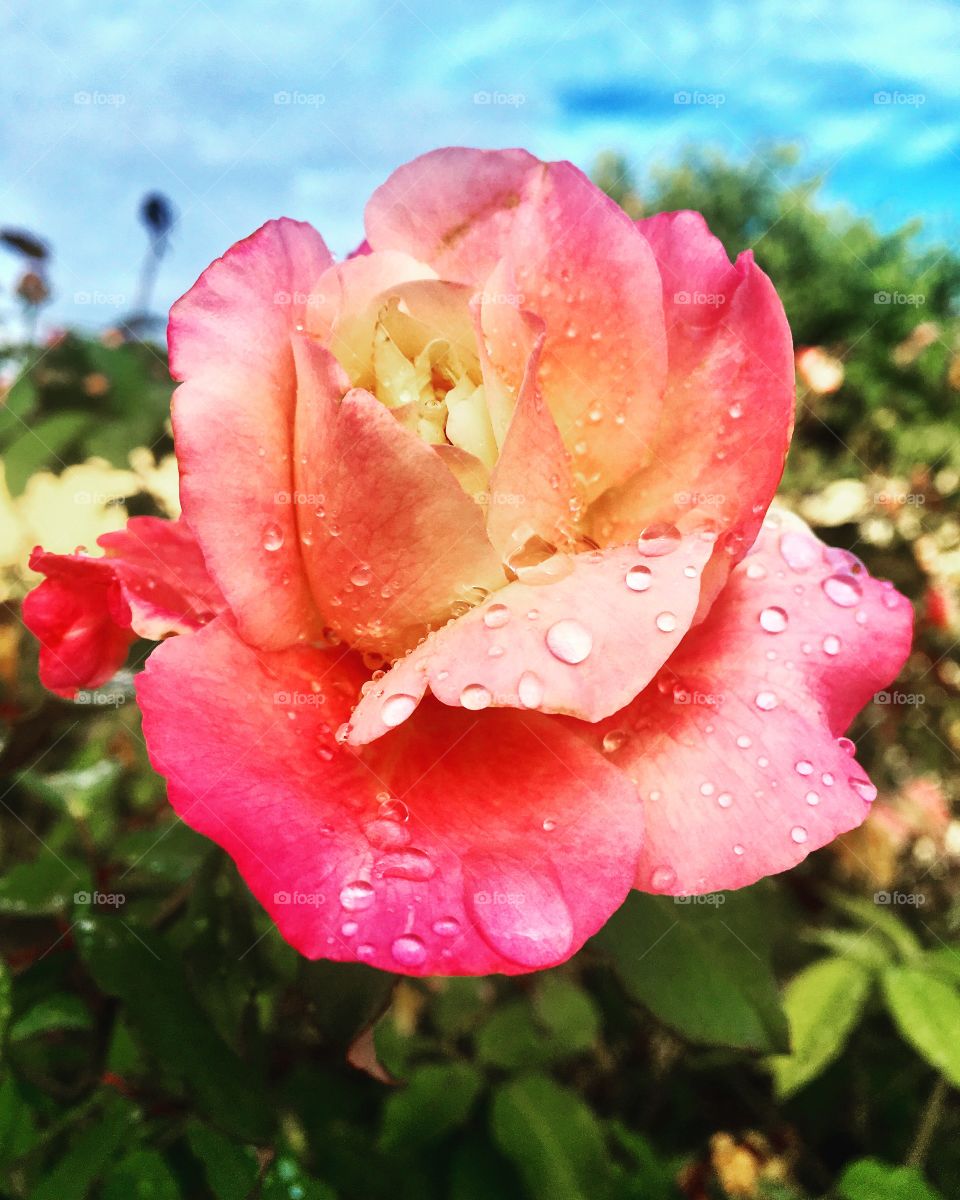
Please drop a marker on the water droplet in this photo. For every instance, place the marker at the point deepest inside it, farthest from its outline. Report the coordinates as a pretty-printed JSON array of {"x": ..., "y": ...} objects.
[
  {"x": 409, "y": 950},
  {"x": 812, "y": 797},
  {"x": 475, "y": 696},
  {"x": 844, "y": 590},
  {"x": 496, "y": 652},
  {"x": 847, "y": 746},
  {"x": 549, "y": 825},
  {"x": 826, "y": 779},
  {"x": 639, "y": 578},
  {"x": 530, "y": 690},
  {"x": 569, "y": 641},
  {"x": 798, "y": 834},
  {"x": 773, "y": 620},
  {"x": 864, "y": 789},
  {"x": 395, "y": 709},
  {"x": 690, "y": 572},
  {"x": 831, "y": 644},
  {"x": 613, "y": 740},
  {"x": 356, "y": 895},
  {"x": 707, "y": 789},
  {"x": 738, "y": 850},
  {"x": 272, "y": 537},
  {"x": 756, "y": 570},
  {"x": 392, "y": 809},
  {"x": 519, "y": 910},
  {"x": 366, "y": 951},
  {"x": 407, "y": 864},
  {"x": 724, "y": 799},
  {"x": 533, "y": 614},
  {"x": 496, "y": 616},
  {"x": 361, "y": 575},
  {"x": 349, "y": 928},
  {"x": 384, "y": 834},
  {"x": 803, "y": 767},
  {"x": 666, "y": 622},
  {"x": 658, "y": 539},
  {"x": 663, "y": 878},
  {"x": 735, "y": 411},
  {"x": 766, "y": 701},
  {"x": 798, "y": 550},
  {"x": 744, "y": 742}
]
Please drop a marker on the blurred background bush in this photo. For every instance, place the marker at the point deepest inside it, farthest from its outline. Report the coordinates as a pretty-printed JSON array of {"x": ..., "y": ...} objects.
[{"x": 796, "y": 1040}]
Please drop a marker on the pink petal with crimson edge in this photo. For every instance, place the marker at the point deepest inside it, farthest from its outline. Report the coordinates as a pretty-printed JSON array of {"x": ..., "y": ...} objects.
[
  {"x": 728, "y": 409},
  {"x": 393, "y": 517},
  {"x": 584, "y": 645},
  {"x": 735, "y": 750},
  {"x": 233, "y": 423},
  {"x": 506, "y": 841},
  {"x": 152, "y": 582}
]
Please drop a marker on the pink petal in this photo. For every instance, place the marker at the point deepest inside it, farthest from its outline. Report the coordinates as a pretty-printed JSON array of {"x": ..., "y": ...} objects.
[
  {"x": 519, "y": 843},
  {"x": 728, "y": 408},
  {"x": 584, "y": 645},
  {"x": 735, "y": 749},
  {"x": 233, "y": 420},
  {"x": 394, "y": 543},
  {"x": 151, "y": 583}
]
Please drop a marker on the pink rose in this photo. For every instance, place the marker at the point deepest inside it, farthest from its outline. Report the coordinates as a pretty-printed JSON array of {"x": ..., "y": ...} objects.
[{"x": 501, "y": 635}]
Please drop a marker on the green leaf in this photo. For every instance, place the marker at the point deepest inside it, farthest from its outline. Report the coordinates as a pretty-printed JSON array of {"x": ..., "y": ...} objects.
[
  {"x": 17, "y": 1126},
  {"x": 436, "y": 1098},
  {"x": 926, "y": 1010},
  {"x": 567, "y": 1012},
  {"x": 64, "y": 1011},
  {"x": 89, "y": 1154},
  {"x": 286, "y": 1181},
  {"x": 141, "y": 1175},
  {"x": 876, "y": 916},
  {"x": 145, "y": 973},
  {"x": 870, "y": 1179},
  {"x": 823, "y": 1004},
  {"x": 6, "y": 1000},
  {"x": 554, "y": 1140},
  {"x": 511, "y": 1039},
  {"x": 43, "y": 446},
  {"x": 701, "y": 968},
  {"x": 45, "y": 886},
  {"x": 231, "y": 1170}
]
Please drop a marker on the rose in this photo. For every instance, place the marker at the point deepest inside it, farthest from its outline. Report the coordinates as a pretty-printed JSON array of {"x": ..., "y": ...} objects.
[{"x": 505, "y": 330}]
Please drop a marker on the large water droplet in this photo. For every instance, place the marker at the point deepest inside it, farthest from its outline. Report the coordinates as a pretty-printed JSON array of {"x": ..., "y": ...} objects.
[
  {"x": 847, "y": 745},
  {"x": 475, "y": 696},
  {"x": 569, "y": 641},
  {"x": 395, "y": 709},
  {"x": 639, "y": 578},
  {"x": 361, "y": 575},
  {"x": 520, "y": 912},
  {"x": 530, "y": 690},
  {"x": 407, "y": 864},
  {"x": 357, "y": 895},
  {"x": 864, "y": 789},
  {"x": 384, "y": 834},
  {"x": 446, "y": 927},
  {"x": 773, "y": 620},
  {"x": 272, "y": 537},
  {"x": 496, "y": 616},
  {"x": 798, "y": 550},
  {"x": 392, "y": 809},
  {"x": 409, "y": 950},
  {"x": 844, "y": 590},
  {"x": 658, "y": 539}
]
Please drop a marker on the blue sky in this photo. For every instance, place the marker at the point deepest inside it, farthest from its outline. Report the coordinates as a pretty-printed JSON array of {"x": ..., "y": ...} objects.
[{"x": 104, "y": 100}]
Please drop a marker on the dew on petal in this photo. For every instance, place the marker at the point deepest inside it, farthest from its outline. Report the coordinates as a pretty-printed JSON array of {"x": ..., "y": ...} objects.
[
  {"x": 639, "y": 578},
  {"x": 392, "y": 809},
  {"x": 446, "y": 927},
  {"x": 744, "y": 742},
  {"x": 366, "y": 951},
  {"x": 738, "y": 850},
  {"x": 707, "y": 789},
  {"x": 804, "y": 767},
  {"x": 831, "y": 644},
  {"x": 773, "y": 620},
  {"x": 798, "y": 834},
  {"x": 725, "y": 799},
  {"x": 532, "y": 926},
  {"x": 349, "y": 928},
  {"x": 798, "y": 551},
  {"x": 847, "y": 745},
  {"x": 384, "y": 834},
  {"x": 864, "y": 789},
  {"x": 756, "y": 570},
  {"x": 409, "y": 950},
  {"x": 812, "y": 797},
  {"x": 530, "y": 690},
  {"x": 410, "y": 864},
  {"x": 396, "y": 708},
  {"x": 356, "y": 895},
  {"x": 569, "y": 641},
  {"x": 843, "y": 590},
  {"x": 658, "y": 539},
  {"x": 496, "y": 616},
  {"x": 663, "y": 878},
  {"x": 361, "y": 575},
  {"x": 549, "y": 825},
  {"x": 666, "y": 622},
  {"x": 613, "y": 739},
  {"x": 475, "y": 696},
  {"x": 272, "y": 537},
  {"x": 766, "y": 701}
]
